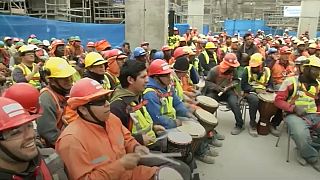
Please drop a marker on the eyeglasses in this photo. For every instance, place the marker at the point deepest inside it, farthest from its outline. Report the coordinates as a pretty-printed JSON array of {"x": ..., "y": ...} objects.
[
  {"x": 99, "y": 102},
  {"x": 16, "y": 133}
]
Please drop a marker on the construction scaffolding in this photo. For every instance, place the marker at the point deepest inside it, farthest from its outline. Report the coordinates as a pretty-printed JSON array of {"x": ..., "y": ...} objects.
[
  {"x": 17, "y": 7},
  {"x": 109, "y": 12}
]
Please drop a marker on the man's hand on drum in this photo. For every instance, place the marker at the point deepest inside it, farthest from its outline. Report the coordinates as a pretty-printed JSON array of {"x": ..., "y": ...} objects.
[
  {"x": 261, "y": 91},
  {"x": 141, "y": 150},
  {"x": 299, "y": 111},
  {"x": 158, "y": 129},
  {"x": 130, "y": 161},
  {"x": 147, "y": 139}
]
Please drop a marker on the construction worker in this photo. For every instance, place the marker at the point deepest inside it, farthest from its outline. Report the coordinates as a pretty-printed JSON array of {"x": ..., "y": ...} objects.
[
  {"x": 74, "y": 51},
  {"x": 272, "y": 56},
  {"x": 8, "y": 42},
  {"x": 53, "y": 99},
  {"x": 90, "y": 47},
  {"x": 146, "y": 46},
  {"x": 102, "y": 45},
  {"x": 182, "y": 42},
  {"x": 140, "y": 54},
  {"x": 80, "y": 145},
  {"x": 165, "y": 107},
  {"x": 318, "y": 51},
  {"x": 179, "y": 52},
  {"x": 301, "y": 50},
  {"x": 116, "y": 59},
  {"x": 4, "y": 55},
  {"x": 255, "y": 79},
  {"x": 27, "y": 70},
  {"x": 208, "y": 58},
  {"x": 20, "y": 157},
  {"x": 312, "y": 49},
  {"x": 57, "y": 49},
  {"x": 298, "y": 97},
  {"x": 96, "y": 69}
]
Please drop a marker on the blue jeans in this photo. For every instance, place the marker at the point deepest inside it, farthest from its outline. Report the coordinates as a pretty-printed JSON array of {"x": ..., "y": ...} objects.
[{"x": 300, "y": 133}]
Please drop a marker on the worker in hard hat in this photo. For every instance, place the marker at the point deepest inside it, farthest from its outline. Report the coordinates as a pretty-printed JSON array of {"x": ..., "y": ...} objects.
[
  {"x": 102, "y": 45},
  {"x": 57, "y": 49},
  {"x": 74, "y": 51},
  {"x": 312, "y": 49},
  {"x": 53, "y": 99},
  {"x": 299, "y": 62},
  {"x": 208, "y": 57},
  {"x": 27, "y": 70},
  {"x": 167, "y": 51},
  {"x": 96, "y": 69},
  {"x": 318, "y": 51},
  {"x": 301, "y": 50},
  {"x": 90, "y": 47},
  {"x": 173, "y": 40},
  {"x": 4, "y": 55},
  {"x": 140, "y": 54},
  {"x": 297, "y": 96},
  {"x": 182, "y": 42}
]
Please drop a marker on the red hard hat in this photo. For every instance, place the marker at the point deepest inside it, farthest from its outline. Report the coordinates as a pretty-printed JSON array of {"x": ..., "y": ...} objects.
[
  {"x": 180, "y": 51},
  {"x": 26, "y": 95},
  {"x": 158, "y": 67},
  {"x": 90, "y": 44},
  {"x": 84, "y": 91},
  {"x": 285, "y": 50},
  {"x": 113, "y": 53},
  {"x": 12, "y": 114},
  {"x": 57, "y": 42}
]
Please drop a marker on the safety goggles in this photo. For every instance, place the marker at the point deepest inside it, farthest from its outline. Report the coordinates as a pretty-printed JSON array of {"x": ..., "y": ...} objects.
[{"x": 16, "y": 133}]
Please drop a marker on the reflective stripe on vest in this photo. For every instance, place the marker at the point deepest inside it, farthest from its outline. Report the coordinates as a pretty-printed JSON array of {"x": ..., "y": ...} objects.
[
  {"x": 178, "y": 86},
  {"x": 302, "y": 97},
  {"x": 35, "y": 80},
  {"x": 206, "y": 56},
  {"x": 259, "y": 83},
  {"x": 106, "y": 83},
  {"x": 166, "y": 101}
]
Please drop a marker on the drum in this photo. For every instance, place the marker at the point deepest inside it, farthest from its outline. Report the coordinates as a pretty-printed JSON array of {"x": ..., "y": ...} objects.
[
  {"x": 266, "y": 109},
  {"x": 207, "y": 103},
  {"x": 206, "y": 119},
  {"x": 195, "y": 130},
  {"x": 179, "y": 142},
  {"x": 165, "y": 173}
]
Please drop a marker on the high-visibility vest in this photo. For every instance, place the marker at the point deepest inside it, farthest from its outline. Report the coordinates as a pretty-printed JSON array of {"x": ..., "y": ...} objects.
[
  {"x": 178, "y": 86},
  {"x": 35, "y": 80},
  {"x": 195, "y": 64},
  {"x": 106, "y": 83},
  {"x": 260, "y": 83},
  {"x": 302, "y": 97},
  {"x": 166, "y": 100},
  {"x": 206, "y": 56}
]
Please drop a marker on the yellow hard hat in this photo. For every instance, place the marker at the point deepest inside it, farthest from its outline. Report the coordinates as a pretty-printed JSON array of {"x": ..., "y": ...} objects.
[
  {"x": 313, "y": 46},
  {"x": 313, "y": 61},
  {"x": 189, "y": 50},
  {"x": 26, "y": 48},
  {"x": 58, "y": 68},
  {"x": 256, "y": 60},
  {"x": 210, "y": 45},
  {"x": 93, "y": 58}
]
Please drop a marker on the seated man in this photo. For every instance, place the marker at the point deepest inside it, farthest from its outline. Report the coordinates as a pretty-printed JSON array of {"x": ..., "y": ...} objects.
[
  {"x": 220, "y": 85},
  {"x": 81, "y": 147},
  {"x": 299, "y": 97}
]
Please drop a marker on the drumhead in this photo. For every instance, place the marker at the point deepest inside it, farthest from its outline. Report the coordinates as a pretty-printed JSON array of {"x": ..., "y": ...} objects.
[
  {"x": 201, "y": 83},
  {"x": 196, "y": 130},
  {"x": 181, "y": 138},
  {"x": 166, "y": 173},
  {"x": 207, "y": 101},
  {"x": 267, "y": 97},
  {"x": 206, "y": 116}
]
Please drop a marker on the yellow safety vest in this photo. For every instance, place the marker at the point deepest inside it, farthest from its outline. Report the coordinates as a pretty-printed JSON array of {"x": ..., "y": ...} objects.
[
  {"x": 178, "y": 86},
  {"x": 259, "y": 83},
  {"x": 302, "y": 97},
  {"x": 106, "y": 83},
  {"x": 35, "y": 80},
  {"x": 206, "y": 56},
  {"x": 196, "y": 64},
  {"x": 166, "y": 100}
]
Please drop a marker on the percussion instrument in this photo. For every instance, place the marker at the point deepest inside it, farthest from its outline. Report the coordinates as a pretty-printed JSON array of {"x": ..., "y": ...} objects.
[
  {"x": 201, "y": 84},
  {"x": 165, "y": 173},
  {"x": 206, "y": 119},
  {"x": 266, "y": 109},
  {"x": 195, "y": 130},
  {"x": 207, "y": 103},
  {"x": 179, "y": 142}
]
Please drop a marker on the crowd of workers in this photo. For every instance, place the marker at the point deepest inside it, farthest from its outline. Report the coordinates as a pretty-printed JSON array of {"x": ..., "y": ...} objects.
[{"x": 97, "y": 112}]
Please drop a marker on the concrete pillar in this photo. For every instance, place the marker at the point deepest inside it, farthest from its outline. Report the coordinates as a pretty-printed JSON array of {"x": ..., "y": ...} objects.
[
  {"x": 195, "y": 14},
  {"x": 309, "y": 17},
  {"x": 146, "y": 20}
]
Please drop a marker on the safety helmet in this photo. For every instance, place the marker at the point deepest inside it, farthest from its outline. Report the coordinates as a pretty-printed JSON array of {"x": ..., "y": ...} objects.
[
  {"x": 231, "y": 60},
  {"x": 27, "y": 48},
  {"x": 159, "y": 67},
  {"x": 285, "y": 50},
  {"x": 46, "y": 43},
  {"x": 90, "y": 44},
  {"x": 93, "y": 58},
  {"x": 189, "y": 50},
  {"x": 301, "y": 60},
  {"x": 210, "y": 45},
  {"x": 57, "y": 42},
  {"x": 16, "y": 39},
  {"x": 18, "y": 45},
  {"x": 118, "y": 54},
  {"x": 84, "y": 91},
  {"x": 26, "y": 95},
  {"x": 57, "y": 67},
  {"x": 158, "y": 55},
  {"x": 165, "y": 48},
  {"x": 32, "y": 36},
  {"x": 144, "y": 43},
  {"x": 256, "y": 60},
  {"x": 179, "y": 52},
  {"x": 139, "y": 51},
  {"x": 313, "y": 61},
  {"x": 175, "y": 29},
  {"x": 1, "y": 44},
  {"x": 312, "y": 46},
  {"x": 102, "y": 45},
  {"x": 12, "y": 114},
  {"x": 7, "y": 38},
  {"x": 300, "y": 43},
  {"x": 76, "y": 38},
  {"x": 272, "y": 50},
  {"x": 182, "y": 39}
]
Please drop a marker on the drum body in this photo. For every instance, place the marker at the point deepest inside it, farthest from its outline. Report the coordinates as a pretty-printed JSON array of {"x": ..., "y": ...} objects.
[
  {"x": 166, "y": 173},
  {"x": 207, "y": 103},
  {"x": 206, "y": 119},
  {"x": 266, "y": 109},
  {"x": 195, "y": 130},
  {"x": 179, "y": 142}
]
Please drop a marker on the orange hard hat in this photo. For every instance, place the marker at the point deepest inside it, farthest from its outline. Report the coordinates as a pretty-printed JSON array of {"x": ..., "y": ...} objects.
[
  {"x": 180, "y": 51},
  {"x": 26, "y": 95},
  {"x": 57, "y": 42},
  {"x": 159, "y": 67},
  {"x": 231, "y": 60},
  {"x": 285, "y": 50},
  {"x": 84, "y": 91},
  {"x": 113, "y": 53},
  {"x": 102, "y": 45}
]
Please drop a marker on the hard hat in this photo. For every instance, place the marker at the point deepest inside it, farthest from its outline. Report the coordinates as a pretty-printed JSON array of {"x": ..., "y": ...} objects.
[
  {"x": 32, "y": 36},
  {"x": 286, "y": 30},
  {"x": 300, "y": 43},
  {"x": 311, "y": 41},
  {"x": 118, "y": 54},
  {"x": 181, "y": 64},
  {"x": 18, "y": 45},
  {"x": 285, "y": 50},
  {"x": 139, "y": 51},
  {"x": 189, "y": 50},
  {"x": 93, "y": 58},
  {"x": 180, "y": 51},
  {"x": 33, "y": 41},
  {"x": 301, "y": 60},
  {"x": 256, "y": 60},
  {"x": 12, "y": 114},
  {"x": 182, "y": 39},
  {"x": 76, "y": 38},
  {"x": 26, "y": 48},
  {"x": 165, "y": 48},
  {"x": 175, "y": 29},
  {"x": 272, "y": 50},
  {"x": 90, "y": 44},
  {"x": 257, "y": 41},
  {"x": 234, "y": 40},
  {"x": 46, "y": 42},
  {"x": 158, "y": 55},
  {"x": 57, "y": 67},
  {"x": 231, "y": 60},
  {"x": 57, "y": 42},
  {"x": 26, "y": 95},
  {"x": 159, "y": 67},
  {"x": 84, "y": 91},
  {"x": 313, "y": 61},
  {"x": 144, "y": 43},
  {"x": 312, "y": 46},
  {"x": 7, "y": 38},
  {"x": 102, "y": 45},
  {"x": 210, "y": 45},
  {"x": 1, "y": 44},
  {"x": 16, "y": 39}
]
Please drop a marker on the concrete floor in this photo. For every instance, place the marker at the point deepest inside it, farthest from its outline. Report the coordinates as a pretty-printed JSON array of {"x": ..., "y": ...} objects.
[{"x": 244, "y": 157}]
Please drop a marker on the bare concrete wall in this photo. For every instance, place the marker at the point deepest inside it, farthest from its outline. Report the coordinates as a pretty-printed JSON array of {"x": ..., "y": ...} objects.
[
  {"x": 195, "y": 14},
  {"x": 309, "y": 17},
  {"x": 146, "y": 20}
]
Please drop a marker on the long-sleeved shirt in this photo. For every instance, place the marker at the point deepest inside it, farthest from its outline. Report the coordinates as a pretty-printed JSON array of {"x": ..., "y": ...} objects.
[
  {"x": 248, "y": 50},
  {"x": 246, "y": 87},
  {"x": 203, "y": 63}
]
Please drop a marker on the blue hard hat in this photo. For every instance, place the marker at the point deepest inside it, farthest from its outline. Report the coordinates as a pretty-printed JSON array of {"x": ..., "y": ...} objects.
[
  {"x": 158, "y": 55},
  {"x": 272, "y": 50},
  {"x": 139, "y": 51}
]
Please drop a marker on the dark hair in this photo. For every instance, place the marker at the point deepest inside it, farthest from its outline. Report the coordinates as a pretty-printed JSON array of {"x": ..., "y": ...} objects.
[
  {"x": 130, "y": 68},
  {"x": 181, "y": 64},
  {"x": 125, "y": 43},
  {"x": 246, "y": 35}
]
